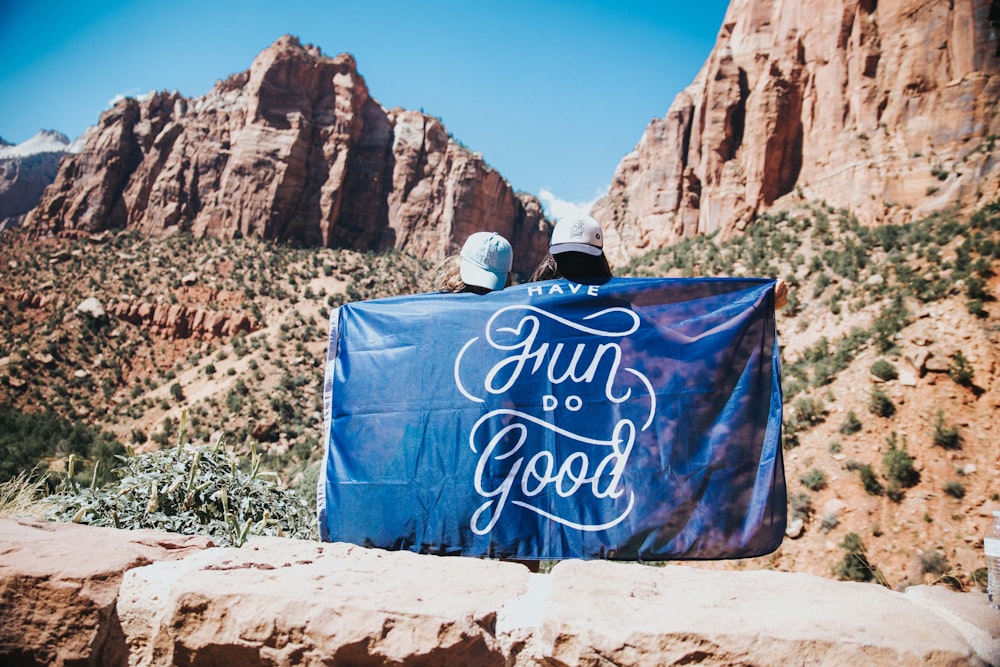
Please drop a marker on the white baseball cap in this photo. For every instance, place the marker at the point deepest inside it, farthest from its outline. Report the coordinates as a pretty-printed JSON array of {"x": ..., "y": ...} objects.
[
  {"x": 486, "y": 260},
  {"x": 580, "y": 233}
]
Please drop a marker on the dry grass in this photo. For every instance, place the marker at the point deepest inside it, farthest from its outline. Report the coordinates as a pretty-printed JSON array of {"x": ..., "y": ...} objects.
[{"x": 23, "y": 496}]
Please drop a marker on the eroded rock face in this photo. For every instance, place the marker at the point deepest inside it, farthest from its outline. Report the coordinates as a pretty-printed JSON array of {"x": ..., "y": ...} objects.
[
  {"x": 82, "y": 595},
  {"x": 179, "y": 321},
  {"x": 884, "y": 108},
  {"x": 22, "y": 181},
  {"x": 293, "y": 150},
  {"x": 59, "y": 585}
]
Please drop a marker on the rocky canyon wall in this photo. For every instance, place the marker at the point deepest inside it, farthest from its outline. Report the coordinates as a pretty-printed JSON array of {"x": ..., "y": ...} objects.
[
  {"x": 888, "y": 108},
  {"x": 75, "y": 595},
  {"x": 294, "y": 150}
]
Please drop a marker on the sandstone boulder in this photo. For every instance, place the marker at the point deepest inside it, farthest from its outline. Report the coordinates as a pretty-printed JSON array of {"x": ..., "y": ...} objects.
[
  {"x": 59, "y": 585},
  {"x": 82, "y": 595}
]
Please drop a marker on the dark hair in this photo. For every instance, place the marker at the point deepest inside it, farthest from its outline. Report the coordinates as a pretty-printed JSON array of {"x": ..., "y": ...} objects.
[{"x": 576, "y": 266}]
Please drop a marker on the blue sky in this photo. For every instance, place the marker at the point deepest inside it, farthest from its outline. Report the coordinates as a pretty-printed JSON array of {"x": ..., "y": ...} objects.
[{"x": 553, "y": 93}]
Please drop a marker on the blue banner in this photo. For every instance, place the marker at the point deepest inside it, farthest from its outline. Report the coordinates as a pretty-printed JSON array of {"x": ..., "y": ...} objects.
[{"x": 639, "y": 419}]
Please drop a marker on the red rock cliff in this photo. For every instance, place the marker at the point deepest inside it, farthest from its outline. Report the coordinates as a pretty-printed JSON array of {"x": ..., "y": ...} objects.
[
  {"x": 293, "y": 150},
  {"x": 890, "y": 109}
]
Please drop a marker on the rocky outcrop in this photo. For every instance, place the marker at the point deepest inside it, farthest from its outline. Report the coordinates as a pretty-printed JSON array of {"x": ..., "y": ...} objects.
[
  {"x": 25, "y": 171},
  {"x": 293, "y": 150},
  {"x": 59, "y": 584},
  {"x": 888, "y": 109},
  {"x": 77, "y": 595},
  {"x": 166, "y": 320},
  {"x": 173, "y": 320}
]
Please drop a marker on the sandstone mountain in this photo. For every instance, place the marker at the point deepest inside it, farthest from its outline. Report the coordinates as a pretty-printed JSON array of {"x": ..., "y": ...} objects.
[
  {"x": 25, "y": 171},
  {"x": 293, "y": 150},
  {"x": 890, "y": 109}
]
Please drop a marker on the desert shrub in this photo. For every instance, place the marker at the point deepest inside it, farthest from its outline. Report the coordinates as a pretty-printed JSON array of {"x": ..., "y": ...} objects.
[
  {"x": 891, "y": 320},
  {"x": 851, "y": 424},
  {"x": 809, "y": 410},
  {"x": 946, "y": 436},
  {"x": 870, "y": 481},
  {"x": 884, "y": 370},
  {"x": 829, "y": 522},
  {"x": 934, "y": 562},
  {"x": 980, "y": 577},
  {"x": 880, "y": 404},
  {"x": 28, "y": 439},
  {"x": 954, "y": 488},
  {"x": 193, "y": 491},
  {"x": 801, "y": 505},
  {"x": 897, "y": 466},
  {"x": 814, "y": 480},
  {"x": 854, "y": 566},
  {"x": 960, "y": 370}
]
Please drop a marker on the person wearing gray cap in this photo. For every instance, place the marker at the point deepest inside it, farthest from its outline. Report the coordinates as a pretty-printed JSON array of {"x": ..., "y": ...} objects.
[{"x": 576, "y": 252}]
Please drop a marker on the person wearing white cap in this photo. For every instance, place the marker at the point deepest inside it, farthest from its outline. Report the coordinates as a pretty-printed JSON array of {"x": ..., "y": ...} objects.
[
  {"x": 576, "y": 252},
  {"x": 483, "y": 266}
]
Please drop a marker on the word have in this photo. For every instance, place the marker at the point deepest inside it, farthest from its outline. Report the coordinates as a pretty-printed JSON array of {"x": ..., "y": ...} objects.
[
  {"x": 557, "y": 288},
  {"x": 533, "y": 476}
]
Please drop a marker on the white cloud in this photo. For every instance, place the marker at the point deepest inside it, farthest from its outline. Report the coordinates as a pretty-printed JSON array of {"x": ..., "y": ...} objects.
[
  {"x": 558, "y": 209},
  {"x": 135, "y": 92}
]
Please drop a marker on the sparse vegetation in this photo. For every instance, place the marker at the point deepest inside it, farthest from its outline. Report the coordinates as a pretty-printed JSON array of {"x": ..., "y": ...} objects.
[
  {"x": 801, "y": 506},
  {"x": 854, "y": 566},
  {"x": 897, "y": 466},
  {"x": 851, "y": 424},
  {"x": 875, "y": 286},
  {"x": 960, "y": 370},
  {"x": 955, "y": 489},
  {"x": 28, "y": 440},
  {"x": 880, "y": 404},
  {"x": 869, "y": 480},
  {"x": 189, "y": 490},
  {"x": 814, "y": 480},
  {"x": 944, "y": 435}
]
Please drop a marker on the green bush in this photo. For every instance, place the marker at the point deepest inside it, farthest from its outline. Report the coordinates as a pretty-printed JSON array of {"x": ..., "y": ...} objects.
[
  {"x": 946, "y": 436},
  {"x": 897, "y": 466},
  {"x": 955, "y": 489},
  {"x": 808, "y": 410},
  {"x": 193, "y": 491},
  {"x": 814, "y": 480},
  {"x": 934, "y": 562},
  {"x": 880, "y": 404},
  {"x": 980, "y": 577},
  {"x": 884, "y": 370},
  {"x": 854, "y": 566},
  {"x": 851, "y": 424},
  {"x": 870, "y": 481},
  {"x": 960, "y": 370},
  {"x": 801, "y": 505},
  {"x": 28, "y": 440}
]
